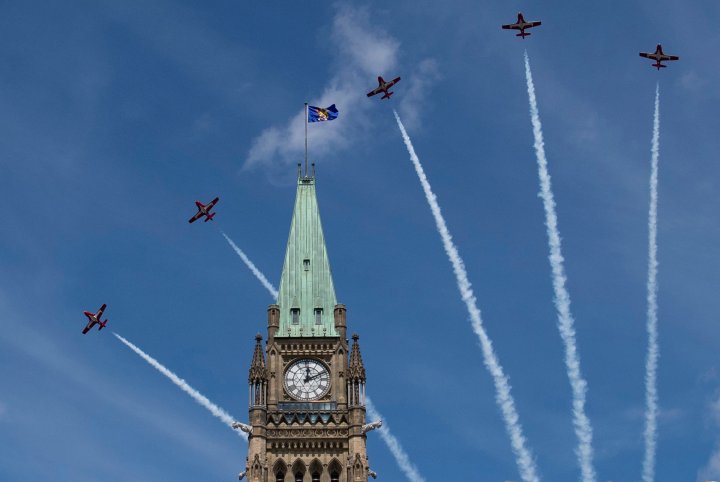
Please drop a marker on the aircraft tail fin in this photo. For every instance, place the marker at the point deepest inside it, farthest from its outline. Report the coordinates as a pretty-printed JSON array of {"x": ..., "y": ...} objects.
[
  {"x": 522, "y": 34},
  {"x": 102, "y": 324},
  {"x": 387, "y": 96},
  {"x": 210, "y": 216}
]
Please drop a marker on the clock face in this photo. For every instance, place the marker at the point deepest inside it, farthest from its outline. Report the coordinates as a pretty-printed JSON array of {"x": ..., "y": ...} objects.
[{"x": 307, "y": 379}]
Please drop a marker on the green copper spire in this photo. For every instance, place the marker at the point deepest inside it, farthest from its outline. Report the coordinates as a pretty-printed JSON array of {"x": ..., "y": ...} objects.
[{"x": 307, "y": 294}]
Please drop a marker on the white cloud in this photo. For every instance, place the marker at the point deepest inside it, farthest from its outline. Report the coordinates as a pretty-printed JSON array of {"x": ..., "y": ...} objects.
[
  {"x": 425, "y": 75},
  {"x": 711, "y": 471},
  {"x": 692, "y": 81},
  {"x": 363, "y": 51},
  {"x": 715, "y": 410}
]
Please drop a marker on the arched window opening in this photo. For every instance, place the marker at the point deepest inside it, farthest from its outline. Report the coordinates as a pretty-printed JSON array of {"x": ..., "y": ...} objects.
[
  {"x": 280, "y": 470},
  {"x": 298, "y": 477},
  {"x": 316, "y": 477},
  {"x": 335, "y": 470}
]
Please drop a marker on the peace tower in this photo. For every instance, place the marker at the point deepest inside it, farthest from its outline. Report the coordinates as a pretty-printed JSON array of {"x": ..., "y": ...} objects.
[{"x": 307, "y": 386}]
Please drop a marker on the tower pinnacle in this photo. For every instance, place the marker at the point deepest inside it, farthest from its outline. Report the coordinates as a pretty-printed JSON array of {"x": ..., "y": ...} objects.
[{"x": 307, "y": 296}]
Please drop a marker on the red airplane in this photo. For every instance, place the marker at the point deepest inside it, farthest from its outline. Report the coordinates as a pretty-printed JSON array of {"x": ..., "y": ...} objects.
[
  {"x": 94, "y": 319},
  {"x": 658, "y": 57},
  {"x": 521, "y": 25},
  {"x": 384, "y": 87},
  {"x": 204, "y": 210}
]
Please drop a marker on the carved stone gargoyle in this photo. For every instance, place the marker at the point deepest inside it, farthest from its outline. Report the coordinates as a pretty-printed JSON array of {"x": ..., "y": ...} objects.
[
  {"x": 371, "y": 426},
  {"x": 244, "y": 427}
]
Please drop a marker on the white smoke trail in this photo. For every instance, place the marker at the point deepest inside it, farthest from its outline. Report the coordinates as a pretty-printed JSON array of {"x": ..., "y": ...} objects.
[
  {"x": 258, "y": 274},
  {"x": 503, "y": 397},
  {"x": 653, "y": 351},
  {"x": 402, "y": 458},
  {"x": 583, "y": 427},
  {"x": 197, "y": 396}
]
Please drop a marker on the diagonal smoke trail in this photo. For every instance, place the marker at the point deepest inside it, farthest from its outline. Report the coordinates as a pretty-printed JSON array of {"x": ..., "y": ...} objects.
[
  {"x": 199, "y": 397},
  {"x": 258, "y": 274},
  {"x": 402, "y": 458},
  {"x": 503, "y": 397},
  {"x": 583, "y": 427},
  {"x": 653, "y": 350}
]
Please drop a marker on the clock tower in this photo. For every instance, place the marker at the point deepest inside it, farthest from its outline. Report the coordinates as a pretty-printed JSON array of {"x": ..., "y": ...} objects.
[{"x": 307, "y": 384}]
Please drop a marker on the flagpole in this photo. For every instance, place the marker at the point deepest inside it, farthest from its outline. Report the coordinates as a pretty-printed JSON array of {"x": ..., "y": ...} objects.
[{"x": 306, "y": 124}]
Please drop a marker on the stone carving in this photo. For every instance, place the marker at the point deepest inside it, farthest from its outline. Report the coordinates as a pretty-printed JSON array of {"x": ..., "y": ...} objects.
[
  {"x": 245, "y": 428},
  {"x": 371, "y": 426}
]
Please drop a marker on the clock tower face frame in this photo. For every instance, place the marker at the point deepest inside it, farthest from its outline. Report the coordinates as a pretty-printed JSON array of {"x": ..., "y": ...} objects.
[{"x": 307, "y": 379}]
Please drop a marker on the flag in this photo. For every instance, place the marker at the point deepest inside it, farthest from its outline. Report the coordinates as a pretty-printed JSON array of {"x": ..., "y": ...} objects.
[{"x": 318, "y": 114}]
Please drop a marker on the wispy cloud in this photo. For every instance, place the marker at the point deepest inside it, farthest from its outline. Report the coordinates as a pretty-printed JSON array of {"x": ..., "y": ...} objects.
[
  {"x": 363, "y": 51},
  {"x": 566, "y": 323},
  {"x": 394, "y": 445},
  {"x": 711, "y": 470},
  {"x": 653, "y": 350},
  {"x": 258, "y": 274},
  {"x": 503, "y": 395},
  {"x": 184, "y": 386}
]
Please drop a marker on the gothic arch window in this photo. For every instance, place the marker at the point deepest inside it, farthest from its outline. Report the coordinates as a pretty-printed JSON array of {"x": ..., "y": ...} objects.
[
  {"x": 316, "y": 470},
  {"x": 280, "y": 470},
  {"x": 298, "y": 470},
  {"x": 335, "y": 470}
]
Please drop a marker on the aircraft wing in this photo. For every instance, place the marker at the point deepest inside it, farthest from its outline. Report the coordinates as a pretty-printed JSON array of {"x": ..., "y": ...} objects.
[
  {"x": 534, "y": 24},
  {"x": 196, "y": 217},
  {"x": 375, "y": 91},
  {"x": 213, "y": 202},
  {"x": 87, "y": 328},
  {"x": 100, "y": 311},
  {"x": 393, "y": 82},
  {"x": 645, "y": 54},
  {"x": 670, "y": 57},
  {"x": 511, "y": 26}
]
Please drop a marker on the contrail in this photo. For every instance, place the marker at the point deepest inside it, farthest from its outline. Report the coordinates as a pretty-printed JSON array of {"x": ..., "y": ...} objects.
[
  {"x": 653, "y": 351},
  {"x": 258, "y": 274},
  {"x": 199, "y": 397},
  {"x": 402, "y": 458},
  {"x": 583, "y": 428},
  {"x": 503, "y": 397}
]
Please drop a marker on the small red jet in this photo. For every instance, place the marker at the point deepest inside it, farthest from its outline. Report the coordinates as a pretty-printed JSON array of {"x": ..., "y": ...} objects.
[
  {"x": 521, "y": 25},
  {"x": 384, "y": 87},
  {"x": 204, "y": 210},
  {"x": 658, "y": 57},
  {"x": 94, "y": 319}
]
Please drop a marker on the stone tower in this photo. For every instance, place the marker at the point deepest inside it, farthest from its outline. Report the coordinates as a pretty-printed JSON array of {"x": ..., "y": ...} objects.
[{"x": 307, "y": 387}]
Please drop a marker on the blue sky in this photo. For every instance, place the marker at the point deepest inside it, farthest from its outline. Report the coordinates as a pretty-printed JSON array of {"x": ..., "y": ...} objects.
[{"x": 116, "y": 116}]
